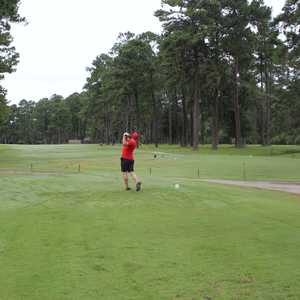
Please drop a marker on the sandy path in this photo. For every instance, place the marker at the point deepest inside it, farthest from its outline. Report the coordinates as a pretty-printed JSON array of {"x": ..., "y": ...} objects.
[{"x": 278, "y": 186}]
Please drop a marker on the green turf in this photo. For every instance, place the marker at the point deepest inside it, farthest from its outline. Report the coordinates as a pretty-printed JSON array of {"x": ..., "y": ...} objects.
[{"x": 66, "y": 234}]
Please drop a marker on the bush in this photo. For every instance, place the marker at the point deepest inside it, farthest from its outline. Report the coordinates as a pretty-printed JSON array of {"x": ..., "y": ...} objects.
[
  {"x": 280, "y": 139},
  {"x": 297, "y": 140}
]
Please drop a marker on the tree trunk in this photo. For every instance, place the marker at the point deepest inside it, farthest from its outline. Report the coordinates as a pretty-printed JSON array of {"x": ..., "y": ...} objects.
[
  {"x": 170, "y": 115},
  {"x": 155, "y": 115},
  {"x": 263, "y": 103},
  {"x": 268, "y": 106},
  {"x": 196, "y": 121},
  {"x": 215, "y": 122},
  {"x": 237, "y": 114},
  {"x": 137, "y": 110},
  {"x": 175, "y": 120},
  {"x": 58, "y": 136},
  {"x": 184, "y": 120},
  {"x": 126, "y": 114},
  {"x": 191, "y": 127}
]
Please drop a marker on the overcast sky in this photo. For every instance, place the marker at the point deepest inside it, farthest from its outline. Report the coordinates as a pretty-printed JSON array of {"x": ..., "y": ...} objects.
[{"x": 64, "y": 36}]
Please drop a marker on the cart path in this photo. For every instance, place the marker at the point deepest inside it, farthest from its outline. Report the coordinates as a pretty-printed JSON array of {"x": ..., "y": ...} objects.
[{"x": 269, "y": 185}]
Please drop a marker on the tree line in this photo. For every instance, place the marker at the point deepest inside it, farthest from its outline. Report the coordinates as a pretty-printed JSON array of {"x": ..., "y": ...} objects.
[{"x": 222, "y": 71}]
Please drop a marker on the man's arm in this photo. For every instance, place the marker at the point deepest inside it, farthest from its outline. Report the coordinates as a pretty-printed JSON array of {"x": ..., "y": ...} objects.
[{"x": 125, "y": 140}]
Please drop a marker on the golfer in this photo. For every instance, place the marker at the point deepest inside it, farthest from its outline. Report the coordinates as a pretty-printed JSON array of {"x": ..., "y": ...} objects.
[{"x": 129, "y": 143}]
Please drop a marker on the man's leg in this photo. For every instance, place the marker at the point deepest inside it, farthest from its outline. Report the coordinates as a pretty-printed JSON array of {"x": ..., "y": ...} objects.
[
  {"x": 136, "y": 180},
  {"x": 134, "y": 177},
  {"x": 125, "y": 177}
]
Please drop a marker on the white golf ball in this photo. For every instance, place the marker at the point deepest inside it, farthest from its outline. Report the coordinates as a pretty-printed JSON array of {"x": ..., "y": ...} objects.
[{"x": 176, "y": 186}]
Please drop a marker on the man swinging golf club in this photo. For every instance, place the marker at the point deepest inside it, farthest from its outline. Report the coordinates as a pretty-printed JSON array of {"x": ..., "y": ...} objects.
[{"x": 129, "y": 143}]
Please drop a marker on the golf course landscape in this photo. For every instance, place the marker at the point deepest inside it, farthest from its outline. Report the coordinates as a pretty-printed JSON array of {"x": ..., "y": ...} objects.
[
  {"x": 69, "y": 230},
  {"x": 150, "y": 150}
]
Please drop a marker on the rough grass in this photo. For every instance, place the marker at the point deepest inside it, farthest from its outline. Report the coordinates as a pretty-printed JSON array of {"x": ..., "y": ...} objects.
[{"x": 78, "y": 235}]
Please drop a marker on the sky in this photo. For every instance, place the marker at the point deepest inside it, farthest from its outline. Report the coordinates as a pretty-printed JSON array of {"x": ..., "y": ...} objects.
[{"x": 63, "y": 37}]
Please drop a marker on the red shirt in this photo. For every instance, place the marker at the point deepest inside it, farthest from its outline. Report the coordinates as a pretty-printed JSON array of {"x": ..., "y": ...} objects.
[{"x": 127, "y": 150}]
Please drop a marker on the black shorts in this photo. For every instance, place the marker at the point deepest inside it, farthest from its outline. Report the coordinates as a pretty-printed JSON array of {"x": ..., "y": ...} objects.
[{"x": 127, "y": 165}]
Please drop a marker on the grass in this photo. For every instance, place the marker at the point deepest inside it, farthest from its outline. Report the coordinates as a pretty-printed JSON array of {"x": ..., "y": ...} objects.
[{"x": 66, "y": 234}]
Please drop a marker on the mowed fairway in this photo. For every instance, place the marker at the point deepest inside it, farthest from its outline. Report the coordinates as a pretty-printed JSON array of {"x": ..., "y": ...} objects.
[{"x": 68, "y": 230}]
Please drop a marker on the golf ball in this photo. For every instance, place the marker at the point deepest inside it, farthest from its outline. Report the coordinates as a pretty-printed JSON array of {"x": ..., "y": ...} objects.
[{"x": 176, "y": 186}]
